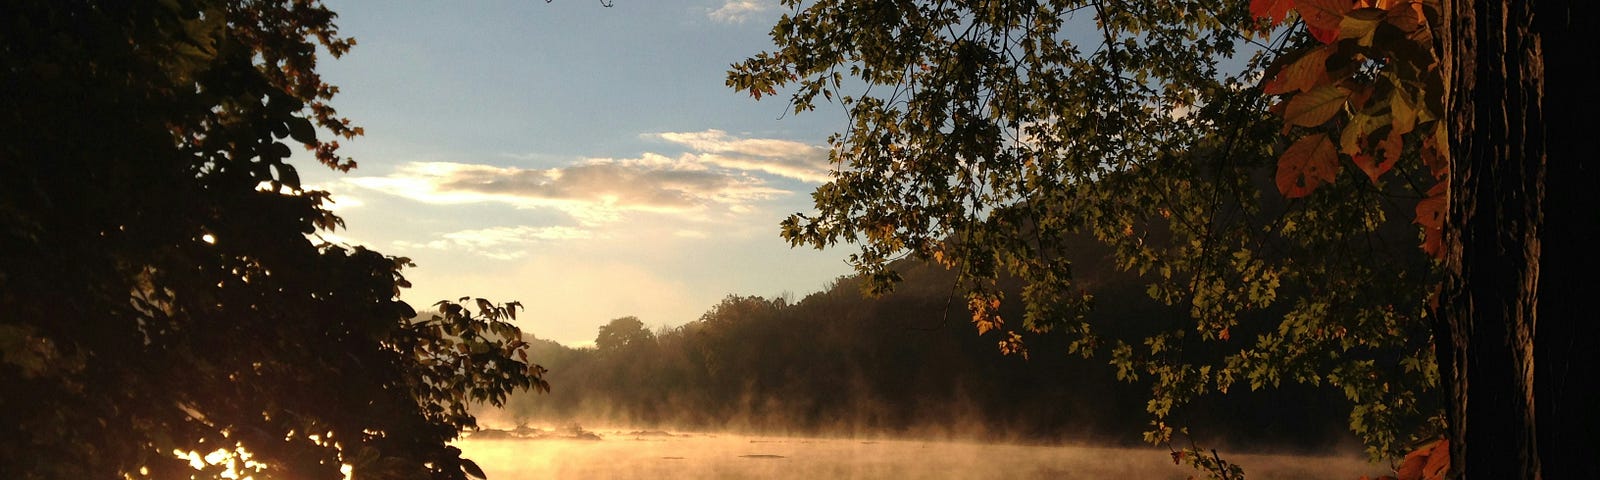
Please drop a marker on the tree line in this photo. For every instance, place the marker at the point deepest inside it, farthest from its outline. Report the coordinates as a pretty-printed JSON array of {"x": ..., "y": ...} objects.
[{"x": 837, "y": 362}]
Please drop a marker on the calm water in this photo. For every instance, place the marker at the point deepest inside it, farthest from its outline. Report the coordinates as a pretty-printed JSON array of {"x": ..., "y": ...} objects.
[{"x": 620, "y": 454}]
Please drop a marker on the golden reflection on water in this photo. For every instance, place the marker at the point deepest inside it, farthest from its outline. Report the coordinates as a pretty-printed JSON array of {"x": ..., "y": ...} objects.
[{"x": 619, "y": 454}]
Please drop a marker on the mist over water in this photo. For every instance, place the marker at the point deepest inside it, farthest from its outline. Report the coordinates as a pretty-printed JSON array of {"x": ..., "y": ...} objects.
[{"x": 623, "y": 454}]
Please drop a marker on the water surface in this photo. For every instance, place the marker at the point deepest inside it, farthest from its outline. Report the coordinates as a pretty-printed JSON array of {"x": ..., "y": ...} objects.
[{"x": 624, "y": 454}]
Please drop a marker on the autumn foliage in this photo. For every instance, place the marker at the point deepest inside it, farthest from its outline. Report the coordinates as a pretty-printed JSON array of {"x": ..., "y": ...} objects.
[{"x": 1366, "y": 94}]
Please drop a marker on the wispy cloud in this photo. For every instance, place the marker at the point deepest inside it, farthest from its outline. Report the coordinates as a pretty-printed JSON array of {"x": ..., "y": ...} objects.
[
  {"x": 593, "y": 191},
  {"x": 718, "y": 174},
  {"x": 784, "y": 158},
  {"x": 738, "y": 11},
  {"x": 503, "y": 243}
]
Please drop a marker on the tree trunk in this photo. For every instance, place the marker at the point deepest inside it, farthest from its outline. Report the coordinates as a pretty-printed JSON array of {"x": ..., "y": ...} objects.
[
  {"x": 1489, "y": 305},
  {"x": 1567, "y": 343}
]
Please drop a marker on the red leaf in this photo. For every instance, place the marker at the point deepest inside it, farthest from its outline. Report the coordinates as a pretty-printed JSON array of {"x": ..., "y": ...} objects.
[
  {"x": 1438, "y": 461},
  {"x": 1427, "y": 462},
  {"x": 1315, "y": 107},
  {"x": 1323, "y": 17},
  {"x": 1306, "y": 165},
  {"x": 1273, "y": 10},
  {"x": 1430, "y": 215}
]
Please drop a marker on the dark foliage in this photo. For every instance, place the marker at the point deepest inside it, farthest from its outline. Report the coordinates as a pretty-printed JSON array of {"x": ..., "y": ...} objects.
[
  {"x": 838, "y": 363},
  {"x": 162, "y": 285}
]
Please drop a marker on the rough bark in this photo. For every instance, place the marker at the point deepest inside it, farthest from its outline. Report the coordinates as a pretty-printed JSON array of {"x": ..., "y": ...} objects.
[
  {"x": 1489, "y": 304},
  {"x": 1567, "y": 343}
]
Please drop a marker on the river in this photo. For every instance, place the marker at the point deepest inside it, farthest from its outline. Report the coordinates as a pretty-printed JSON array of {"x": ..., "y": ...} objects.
[{"x": 646, "y": 455}]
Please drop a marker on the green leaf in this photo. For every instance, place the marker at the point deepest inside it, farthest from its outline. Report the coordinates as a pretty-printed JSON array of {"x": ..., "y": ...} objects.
[{"x": 472, "y": 469}]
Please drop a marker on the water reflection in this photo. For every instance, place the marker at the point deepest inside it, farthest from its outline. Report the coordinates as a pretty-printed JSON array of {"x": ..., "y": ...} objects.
[{"x": 658, "y": 454}]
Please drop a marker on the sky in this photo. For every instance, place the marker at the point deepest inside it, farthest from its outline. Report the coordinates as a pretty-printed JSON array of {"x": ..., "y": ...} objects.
[{"x": 586, "y": 161}]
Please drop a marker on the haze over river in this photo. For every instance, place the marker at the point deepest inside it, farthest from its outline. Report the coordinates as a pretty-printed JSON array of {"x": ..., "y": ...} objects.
[{"x": 646, "y": 455}]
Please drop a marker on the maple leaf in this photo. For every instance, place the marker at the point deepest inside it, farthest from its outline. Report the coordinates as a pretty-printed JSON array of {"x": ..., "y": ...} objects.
[
  {"x": 1316, "y": 106},
  {"x": 1306, "y": 165},
  {"x": 1305, "y": 73},
  {"x": 1323, "y": 17},
  {"x": 1273, "y": 10}
]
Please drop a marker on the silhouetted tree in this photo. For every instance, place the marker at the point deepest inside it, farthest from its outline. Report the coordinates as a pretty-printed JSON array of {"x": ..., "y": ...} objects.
[
  {"x": 163, "y": 284},
  {"x": 623, "y": 334}
]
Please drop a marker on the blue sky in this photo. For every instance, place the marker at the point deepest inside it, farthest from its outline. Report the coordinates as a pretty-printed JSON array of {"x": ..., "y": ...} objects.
[{"x": 587, "y": 161}]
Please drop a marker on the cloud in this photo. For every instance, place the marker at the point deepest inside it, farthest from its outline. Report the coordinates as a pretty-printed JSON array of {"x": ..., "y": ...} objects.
[
  {"x": 593, "y": 191},
  {"x": 502, "y": 243},
  {"x": 784, "y": 158},
  {"x": 738, "y": 11}
]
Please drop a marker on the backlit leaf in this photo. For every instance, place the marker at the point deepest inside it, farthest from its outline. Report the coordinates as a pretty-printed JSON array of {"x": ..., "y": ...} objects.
[
  {"x": 1353, "y": 138},
  {"x": 1272, "y": 10},
  {"x": 1360, "y": 25},
  {"x": 1378, "y": 162},
  {"x": 1306, "y": 165},
  {"x": 1315, "y": 107},
  {"x": 1426, "y": 463},
  {"x": 1323, "y": 17},
  {"x": 1430, "y": 214},
  {"x": 1370, "y": 165},
  {"x": 1305, "y": 73},
  {"x": 1438, "y": 461}
]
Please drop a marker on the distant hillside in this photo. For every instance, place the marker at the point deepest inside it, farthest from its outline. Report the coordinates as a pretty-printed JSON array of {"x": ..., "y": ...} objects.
[{"x": 836, "y": 362}]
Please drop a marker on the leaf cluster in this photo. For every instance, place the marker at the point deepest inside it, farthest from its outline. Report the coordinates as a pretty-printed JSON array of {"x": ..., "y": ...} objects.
[{"x": 987, "y": 135}]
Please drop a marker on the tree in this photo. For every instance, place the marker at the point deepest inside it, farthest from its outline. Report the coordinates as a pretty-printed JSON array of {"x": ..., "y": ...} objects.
[
  {"x": 1519, "y": 351},
  {"x": 622, "y": 334},
  {"x": 166, "y": 296},
  {"x": 1006, "y": 126}
]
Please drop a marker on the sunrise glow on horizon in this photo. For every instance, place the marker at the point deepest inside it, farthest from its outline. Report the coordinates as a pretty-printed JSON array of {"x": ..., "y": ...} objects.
[{"x": 585, "y": 161}]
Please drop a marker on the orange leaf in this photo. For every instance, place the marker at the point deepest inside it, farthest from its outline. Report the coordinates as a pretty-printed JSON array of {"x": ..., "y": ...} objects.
[
  {"x": 1315, "y": 107},
  {"x": 1306, "y": 72},
  {"x": 1430, "y": 214},
  {"x": 1369, "y": 165},
  {"x": 1273, "y": 10},
  {"x": 1438, "y": 461},
  {"x": 1306, "y": 165},
  {"x": 1323, "y": 17},
  {"x": 1390, "y": 147},
  {"x": 1427, "y": 462}
]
